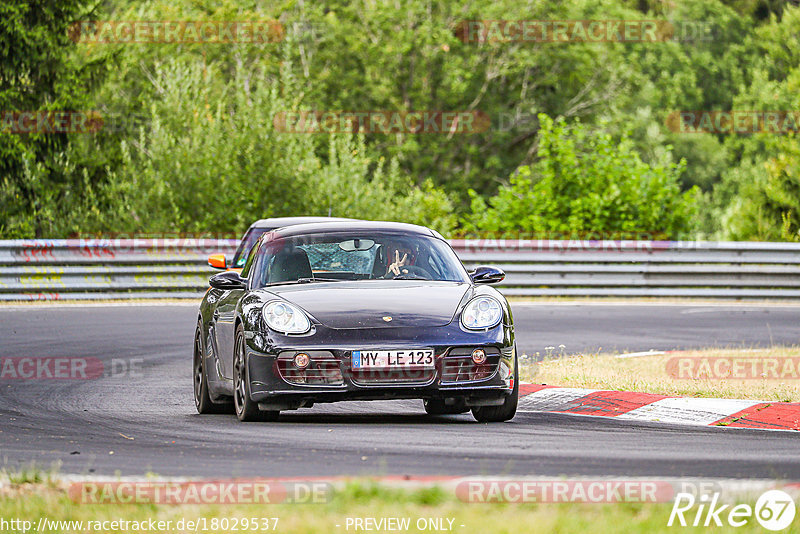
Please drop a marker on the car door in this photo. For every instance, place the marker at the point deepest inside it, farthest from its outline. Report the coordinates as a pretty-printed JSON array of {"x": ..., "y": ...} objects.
[
  {"x": 224, "y": 316},
  {"x": 222, "y": 325}
]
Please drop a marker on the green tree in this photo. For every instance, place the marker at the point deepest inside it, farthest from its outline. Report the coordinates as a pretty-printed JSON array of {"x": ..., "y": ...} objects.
[
  {"x": 362, "y": 55},
  {"x": 586, "y": 182},
  {"x": 759, "y": 197},
  {"x": 203, "y": 139},
  {"x": 209, "y": 158},
  {"x": 39, "y": 72}
]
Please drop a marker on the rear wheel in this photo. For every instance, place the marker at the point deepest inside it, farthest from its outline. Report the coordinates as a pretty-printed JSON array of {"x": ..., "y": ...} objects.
[
  {"x": 246, "y": 409},
  {"x": 504, "y": 412},
  {"x": 202, "y": 400},
  {"x": 438, "y": 407}
]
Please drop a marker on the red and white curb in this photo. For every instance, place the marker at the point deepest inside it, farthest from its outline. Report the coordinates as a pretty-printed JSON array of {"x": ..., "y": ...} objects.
[{"x": 629, "y": 405}]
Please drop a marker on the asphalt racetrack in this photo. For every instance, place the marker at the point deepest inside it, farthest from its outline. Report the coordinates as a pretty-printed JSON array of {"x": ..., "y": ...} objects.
[{"x": 143, "y": 420}]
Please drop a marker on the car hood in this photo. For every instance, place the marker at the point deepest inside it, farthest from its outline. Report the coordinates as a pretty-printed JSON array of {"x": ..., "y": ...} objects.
[{"x": 367, "y": 303}]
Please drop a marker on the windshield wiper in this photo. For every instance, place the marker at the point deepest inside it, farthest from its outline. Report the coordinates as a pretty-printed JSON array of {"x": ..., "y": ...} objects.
[{"x": 302, "y": 281}]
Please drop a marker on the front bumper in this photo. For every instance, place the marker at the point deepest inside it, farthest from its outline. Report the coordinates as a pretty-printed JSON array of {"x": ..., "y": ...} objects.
[{"x": 276, "y": 384}]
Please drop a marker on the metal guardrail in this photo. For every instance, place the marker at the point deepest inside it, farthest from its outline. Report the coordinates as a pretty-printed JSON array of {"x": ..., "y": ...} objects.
[
  {"x": 176, "y": 268},
  {"x": 87, "y": 269}
]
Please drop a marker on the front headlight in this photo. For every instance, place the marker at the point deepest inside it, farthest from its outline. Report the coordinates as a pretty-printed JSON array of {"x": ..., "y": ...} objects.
[
  {"x": 285, "y": 318},
  {"x": 481, "y": 313}
]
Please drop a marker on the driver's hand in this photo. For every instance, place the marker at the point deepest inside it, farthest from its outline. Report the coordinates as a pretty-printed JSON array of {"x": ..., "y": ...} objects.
[{"x": 394, "y": 268}]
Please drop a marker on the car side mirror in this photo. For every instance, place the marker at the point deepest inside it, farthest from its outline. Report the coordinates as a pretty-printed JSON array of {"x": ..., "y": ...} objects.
[
  {"x": 486, "y": 274},
  {"x": 228, "y": 280},
  {"x": 218, "y": 261}
]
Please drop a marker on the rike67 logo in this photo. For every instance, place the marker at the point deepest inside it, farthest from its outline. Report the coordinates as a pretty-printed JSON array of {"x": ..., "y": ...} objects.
[{"x": 774, "y": 510}]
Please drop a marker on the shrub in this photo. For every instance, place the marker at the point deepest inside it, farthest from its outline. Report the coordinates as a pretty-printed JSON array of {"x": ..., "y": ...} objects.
[{"x": 582, "y": 182}]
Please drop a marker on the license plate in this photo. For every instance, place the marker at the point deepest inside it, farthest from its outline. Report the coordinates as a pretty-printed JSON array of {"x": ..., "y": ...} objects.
[{"x": 392, "y": 359}]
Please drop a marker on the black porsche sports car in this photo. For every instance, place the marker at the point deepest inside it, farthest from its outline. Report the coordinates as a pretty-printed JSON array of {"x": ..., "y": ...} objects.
[{"x": 358, "y": 310}]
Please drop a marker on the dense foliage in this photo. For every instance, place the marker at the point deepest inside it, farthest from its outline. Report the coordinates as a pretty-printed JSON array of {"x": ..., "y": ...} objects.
[
  {"x": 578, "y": 141},
  {"x": 583, "y": 181},
  {"x": 38, "y": 71}
]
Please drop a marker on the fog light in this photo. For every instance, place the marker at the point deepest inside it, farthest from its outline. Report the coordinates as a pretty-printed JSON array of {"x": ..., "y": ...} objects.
[
  {"x": 479, "y": 356},
  {"x": 301, "y": 360}
]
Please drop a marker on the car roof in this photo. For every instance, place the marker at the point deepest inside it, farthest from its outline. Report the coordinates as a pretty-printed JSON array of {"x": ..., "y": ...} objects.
[
  {"x": 278, "y": 222},
  {"x": 355, "y": 225}
]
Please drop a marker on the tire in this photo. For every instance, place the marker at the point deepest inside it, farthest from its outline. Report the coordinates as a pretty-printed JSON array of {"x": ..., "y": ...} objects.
[
  {"x": 202, "y": 400},
  {"x": 504, "y": 412},
  {"x": 438, "y": 407},
  {"x": 246, "y": 409}
]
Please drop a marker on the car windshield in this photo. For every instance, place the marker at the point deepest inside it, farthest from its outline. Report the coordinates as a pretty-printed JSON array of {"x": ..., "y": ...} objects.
[{"x": 362, "y": 256}]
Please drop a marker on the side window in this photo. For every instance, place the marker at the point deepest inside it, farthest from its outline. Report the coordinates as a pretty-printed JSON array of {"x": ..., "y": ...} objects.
[
  {"x": 251, "y": 259},
  {"x": 256, "y": 269},
  {"x": 248, "y": 241},
  {"x": 239, "y": 258}
]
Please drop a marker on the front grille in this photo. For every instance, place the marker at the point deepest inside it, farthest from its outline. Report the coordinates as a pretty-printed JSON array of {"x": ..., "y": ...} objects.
[
  {"x": 318, "y": 373},
  {"x": 458, "y": 367},
  {"x": 384, "y": 377},
  {"x": 460, "y": 370}
]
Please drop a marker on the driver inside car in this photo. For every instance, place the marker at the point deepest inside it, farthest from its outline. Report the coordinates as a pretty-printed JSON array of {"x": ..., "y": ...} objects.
[
  {"x": 399, "y": 260},
  {"x": 396, "y": 268}
]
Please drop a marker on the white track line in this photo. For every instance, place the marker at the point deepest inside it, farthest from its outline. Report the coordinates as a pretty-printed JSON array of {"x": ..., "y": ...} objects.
[
  {"x": 550, "y": 399},
  {"x": 641, "y": 354},
  {"x": 688, "y": 410}
]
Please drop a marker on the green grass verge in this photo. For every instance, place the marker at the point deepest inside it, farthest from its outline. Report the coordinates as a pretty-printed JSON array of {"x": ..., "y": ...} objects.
[
  {"x": 356, "y": 500},
  {"x": 650, "y": 374}
]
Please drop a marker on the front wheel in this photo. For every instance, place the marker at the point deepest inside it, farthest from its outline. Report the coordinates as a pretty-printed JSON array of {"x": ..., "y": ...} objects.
[
  {"x": 504, "y": 412},
  {"x": 246, "y": 409}
]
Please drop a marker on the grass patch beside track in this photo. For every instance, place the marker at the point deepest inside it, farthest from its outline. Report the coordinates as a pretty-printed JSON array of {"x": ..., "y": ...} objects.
[
  {"x": 31, "y": 502},
  {"x": 656, "y": 373}
]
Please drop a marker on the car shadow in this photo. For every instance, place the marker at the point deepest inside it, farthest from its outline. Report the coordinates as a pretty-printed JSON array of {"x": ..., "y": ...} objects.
[{"x": 375, "y": 419}]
